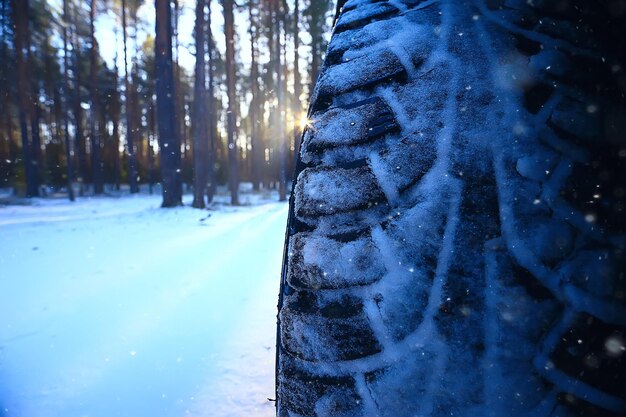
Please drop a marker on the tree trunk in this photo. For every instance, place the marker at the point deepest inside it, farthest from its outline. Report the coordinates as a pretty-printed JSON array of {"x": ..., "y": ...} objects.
[
  {"x": 256, "y": 161},
  {"x": 35, "y": 116},
  {"x": 134, "y": 100},
  {"x": 168, "y": 137},
  {"x": 179, "y": 103},
  {"x": 20, "y": 10},
  {"x": 229, "y": 30},
  {"x": 115, "y": 118},
  {"x": 152, "y": 132},
  {"x": 35, "y": 150},
  {"x": 104, "y": 138},
  {"x": 96, "y": 158},
  {"x": 285, "y": 75},
  {"x": 58, "y": 110},
  {"x": 79, "y": 138},
  {"x": 12, "y": 143},
  {"x": 117, "y": 163},
  {"x": 8, "y": 127},
  {"x": 49, "y": 88},
  {"x": 200, "y": 139},
  {"x": 316, "y": 62},
  {"x": 66, "y": 123},
  {"x": 212, "y": 127},
  {"x": 297, "y": 83},
  {"x": 280, "y": 128},
  {"x": 4, "y": 106},
  {"x": 130, "y": 134}
]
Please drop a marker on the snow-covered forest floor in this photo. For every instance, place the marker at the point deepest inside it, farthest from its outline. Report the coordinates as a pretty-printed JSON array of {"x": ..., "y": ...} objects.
[{"x": 115, "y": 307}]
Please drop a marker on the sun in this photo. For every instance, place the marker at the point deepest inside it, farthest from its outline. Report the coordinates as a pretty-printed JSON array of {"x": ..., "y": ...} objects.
[{"x": 303, "y": 121}]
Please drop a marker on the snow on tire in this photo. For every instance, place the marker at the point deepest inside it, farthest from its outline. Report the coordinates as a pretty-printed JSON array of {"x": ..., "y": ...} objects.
[{"x": 456, "y": 236}]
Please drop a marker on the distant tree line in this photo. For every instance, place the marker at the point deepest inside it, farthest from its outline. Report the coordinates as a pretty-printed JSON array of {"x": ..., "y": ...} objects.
[{"x": 70, "y": 121}]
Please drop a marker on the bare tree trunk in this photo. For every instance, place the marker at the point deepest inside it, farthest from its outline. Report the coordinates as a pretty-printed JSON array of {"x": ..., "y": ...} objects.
[
  {"x": 297, "y": 83},
  {"x": 51, "y": 112},
  {"x": 168, "y": 136},
  {"x": 96, "y": 156},
  {"x": 130, "y": 134},
  {"x": 12, "y": 143},
  {"x": 66, "y": 88},
  {"x": 179, "y": 103},
  {"x": 256, "y": 161},
  {"x": 8, "y": 127},
  {"x": 199, "y": 124},
  {"x": 152, "y": 132},
  {"x": 105, "y": 139},
  {"x": 20, "y": 9},
  {"x": 36, "y": 144},
  {"x": 35, "y": 116},
  {"x": 4, "y": 107},
  {"x": 316, "y": 62},
  {"x": 5, "y": 145},
  {"x": 12, "y": 147},
  {"x": 58, "y": 112},
  {"x": 116, "y": 116},
  {"x": 229, "y": 30},
  {"x": 280, "y": 128},
  {"x": 138, "y": 138},
  {"x": 285, "y": 75},
  {"x": 212, "y": 127},
  {"x": 79, "y": 138}
]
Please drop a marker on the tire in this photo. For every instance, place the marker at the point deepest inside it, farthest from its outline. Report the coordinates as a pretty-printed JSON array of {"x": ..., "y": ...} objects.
[{"x": 456, "y": 238}]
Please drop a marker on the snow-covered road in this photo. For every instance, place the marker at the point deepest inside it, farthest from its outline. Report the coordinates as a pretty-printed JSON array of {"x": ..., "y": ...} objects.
[{"x": 114, "y": 307}]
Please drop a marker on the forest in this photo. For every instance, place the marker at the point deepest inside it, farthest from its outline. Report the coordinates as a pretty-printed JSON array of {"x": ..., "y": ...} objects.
[{"x": 93, "y": 92}]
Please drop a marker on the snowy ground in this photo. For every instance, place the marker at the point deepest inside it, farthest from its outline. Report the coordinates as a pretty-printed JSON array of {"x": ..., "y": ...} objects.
[{"x": 114, "y": 307}]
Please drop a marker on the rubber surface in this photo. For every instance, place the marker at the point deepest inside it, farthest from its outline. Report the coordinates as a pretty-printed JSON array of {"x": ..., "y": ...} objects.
[{"x": 456, "y": 235}]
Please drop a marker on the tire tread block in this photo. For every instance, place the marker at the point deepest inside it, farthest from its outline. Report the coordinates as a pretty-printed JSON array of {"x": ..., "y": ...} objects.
[
  {"x": 320, "y": 262},
  {"x": 361, "y": 72},
  {"x": 323, "y": 191},
  {"x": 357, "y": 17},
  {"x": 318, "y": 328},
  {"x": 349, "y": 125}
]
